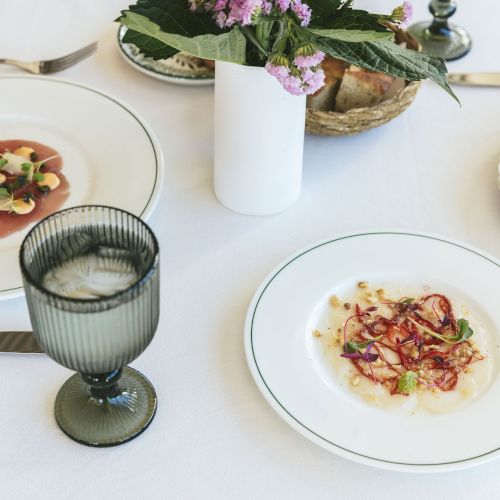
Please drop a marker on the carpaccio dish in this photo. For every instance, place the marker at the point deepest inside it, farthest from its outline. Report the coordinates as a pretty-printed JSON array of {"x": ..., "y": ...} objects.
[
  {"x": 423, "y": 346},
  {"x": 32, "y": 184}
]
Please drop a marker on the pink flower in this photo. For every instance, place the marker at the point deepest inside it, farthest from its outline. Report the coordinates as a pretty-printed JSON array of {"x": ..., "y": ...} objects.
[
  {"x": 283, "y": 5},
  {"x": 407, "y": 12},
  {"x": 266, "y": 7},
  {"x": 313, "y": 80},
  {"x": 242, "y": 11},
  {"x": 277, "y": 71},
  {"x": 220, "y": 5},
  {"x": 220, "y": 19},
  {"x": 292, "y": 84},
  {"x": 302, "y": 11},
  {"x": 309, "y": 61}
]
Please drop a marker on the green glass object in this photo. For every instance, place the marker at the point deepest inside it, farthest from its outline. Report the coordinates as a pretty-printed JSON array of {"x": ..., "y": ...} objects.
[
  {"x": 91, "y": 276},
  {"x": 439, "y": 37}
]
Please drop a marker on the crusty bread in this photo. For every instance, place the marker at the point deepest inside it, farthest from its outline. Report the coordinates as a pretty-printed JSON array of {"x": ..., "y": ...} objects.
[
  {"x": 324, "y": 98},
  {"x": 361, "y": 89}
]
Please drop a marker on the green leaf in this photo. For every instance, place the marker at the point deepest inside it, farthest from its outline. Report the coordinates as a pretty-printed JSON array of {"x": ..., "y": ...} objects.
[
  {"x": 356, "y": 346},
  {"x": 148, "y": 45},
  {"x": 4, "y": 193},
  {"x": 409, "y": 300},
  {"x": 353, "y": 35},
  {"x": 464, "y": 330},
  {"x": 407, "y": 382},
  {"x": 38, "y": 177},
  {"x": 389, "y": 58},
  {"x": 3, "y": 162},
  {"x": 26, "y": 167},
  {"x": 229, "y": 46},
  {"x": 323, "y": 9},
  {"x": 350, "y": 19}
]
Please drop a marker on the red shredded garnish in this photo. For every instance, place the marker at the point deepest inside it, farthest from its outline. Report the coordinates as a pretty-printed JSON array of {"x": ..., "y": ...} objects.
[{"x": 403, "y": 338}]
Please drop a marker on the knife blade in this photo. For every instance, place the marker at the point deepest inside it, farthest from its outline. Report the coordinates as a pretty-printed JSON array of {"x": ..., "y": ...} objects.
[
  {"x": 477, "y": 79},
  {"x": 21, "y": 342}
]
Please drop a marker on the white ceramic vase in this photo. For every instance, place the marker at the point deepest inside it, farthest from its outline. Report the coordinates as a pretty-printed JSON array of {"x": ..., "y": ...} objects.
[{"x": 259, "y": 141}]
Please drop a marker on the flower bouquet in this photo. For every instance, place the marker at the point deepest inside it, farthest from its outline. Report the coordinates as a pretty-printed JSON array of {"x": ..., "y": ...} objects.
[{"x": 268, "y": 56}]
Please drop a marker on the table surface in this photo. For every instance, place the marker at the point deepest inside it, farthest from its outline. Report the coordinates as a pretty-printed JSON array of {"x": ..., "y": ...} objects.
[{"x": 432, "y": 169}]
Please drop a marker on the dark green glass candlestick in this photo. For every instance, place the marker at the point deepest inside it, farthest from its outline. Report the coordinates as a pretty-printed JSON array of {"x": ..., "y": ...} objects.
[{"x": 439, "y": 37}]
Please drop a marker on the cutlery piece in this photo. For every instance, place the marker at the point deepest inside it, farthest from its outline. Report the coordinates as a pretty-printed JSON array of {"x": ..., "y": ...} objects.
[
  {"x": 53, "y": 65},
  {"x": 22, "y": 342},
  {"x": 478, "y": 79}
]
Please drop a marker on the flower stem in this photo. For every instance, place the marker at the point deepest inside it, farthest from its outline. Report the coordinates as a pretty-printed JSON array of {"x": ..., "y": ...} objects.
[{"x": 251, "y": 36}]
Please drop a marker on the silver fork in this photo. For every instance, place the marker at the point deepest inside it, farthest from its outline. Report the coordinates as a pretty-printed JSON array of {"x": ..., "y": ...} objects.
[{"x": 53, "y": 65}]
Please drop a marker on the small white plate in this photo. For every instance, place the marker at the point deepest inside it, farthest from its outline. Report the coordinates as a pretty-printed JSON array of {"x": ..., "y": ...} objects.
[
  {"x": 177, "y": 69},
  {"x": 292, "y": 378},
  {"x": 110, "y": 155}
]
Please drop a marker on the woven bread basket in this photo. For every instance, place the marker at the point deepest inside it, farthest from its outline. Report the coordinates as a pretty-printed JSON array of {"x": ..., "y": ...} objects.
[{"x": 355, "y": 121}]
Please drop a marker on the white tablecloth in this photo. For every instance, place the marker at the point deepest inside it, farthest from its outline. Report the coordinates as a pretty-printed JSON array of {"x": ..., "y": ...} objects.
[{"x": 214, "y": 436}]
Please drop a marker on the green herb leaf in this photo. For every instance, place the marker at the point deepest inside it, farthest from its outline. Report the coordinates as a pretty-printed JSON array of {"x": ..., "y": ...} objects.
[
  {"x": 407, "y": 382},
  {"x": 3, "y": 162},
  {"x": 356, "y": 346},
  {"x": 464, "y": 330},
  {"x": 38, "y": 177},
  {"x": 26, "y": 167},
  {"x": 4, "y": 193},
  {"x": 389, "y": 58}
]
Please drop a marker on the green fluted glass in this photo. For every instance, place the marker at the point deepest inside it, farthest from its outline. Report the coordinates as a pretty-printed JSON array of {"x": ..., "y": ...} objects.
[
  {"x": 439, "y": 37},
  {"x": 91, "y": 277}
]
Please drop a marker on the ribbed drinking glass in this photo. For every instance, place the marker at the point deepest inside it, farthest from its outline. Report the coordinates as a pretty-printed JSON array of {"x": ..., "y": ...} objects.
[{"x": 91, "y": 277}]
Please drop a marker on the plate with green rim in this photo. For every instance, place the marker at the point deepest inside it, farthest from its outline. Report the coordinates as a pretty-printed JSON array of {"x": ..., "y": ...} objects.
[
  {"x": 101, "y": 141},
  {"x": 180, "y": 69},
  {"x": 279, "y": 346}
]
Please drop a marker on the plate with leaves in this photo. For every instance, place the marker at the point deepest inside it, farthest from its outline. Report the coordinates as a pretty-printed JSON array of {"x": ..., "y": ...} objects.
[
  {"x": 178, "y": 68},
  {"x": 123, "y": 169},
  {"x": 408, "y": 379}
]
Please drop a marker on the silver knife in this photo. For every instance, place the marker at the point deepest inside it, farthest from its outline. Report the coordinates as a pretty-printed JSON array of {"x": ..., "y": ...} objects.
[
  {"x": 22, "y": 342},
  {"x": 477, "y": 79}
]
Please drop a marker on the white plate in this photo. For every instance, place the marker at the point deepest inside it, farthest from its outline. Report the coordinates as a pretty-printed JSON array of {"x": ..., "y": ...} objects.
[
  {"x": 110, "y": 156},
  {"x": 292, "y": 378},
  {"x": 173, "y": 70}
]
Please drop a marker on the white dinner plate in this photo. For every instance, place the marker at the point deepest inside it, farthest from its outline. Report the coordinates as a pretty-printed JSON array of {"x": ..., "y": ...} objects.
[
  {"x": 292, "y": 376},
  {"x": 178, "y": 69},
  {"x": 110, "y": 155}
]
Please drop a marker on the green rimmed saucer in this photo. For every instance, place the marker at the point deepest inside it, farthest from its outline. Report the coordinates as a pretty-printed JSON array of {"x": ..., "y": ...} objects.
[{"x": 181, "y": 69}]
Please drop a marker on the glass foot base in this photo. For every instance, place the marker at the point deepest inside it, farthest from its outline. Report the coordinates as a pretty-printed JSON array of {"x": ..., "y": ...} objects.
[
  {"x": 450, "y": 43},
  {"x": 110, "y": 420}
]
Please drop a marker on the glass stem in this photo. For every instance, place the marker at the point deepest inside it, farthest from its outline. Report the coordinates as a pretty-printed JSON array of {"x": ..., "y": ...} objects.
[
  {"x": 103, "y": 385},
  {"x": 441, "y": 11}
]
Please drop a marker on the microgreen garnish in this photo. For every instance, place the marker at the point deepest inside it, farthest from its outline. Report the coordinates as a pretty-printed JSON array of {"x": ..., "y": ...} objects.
[
  {"x": 407, "y": 382},
  {"x": 464, "y": 332},
  {"x": 4, "y": 192},
  {"x": 408, "y": 300},
  {"x": 350, "y": 347},
  {"x": 38, "y": 177},
  {"x": 368, "y": 356},
  {"x": 3, "y": 162},
  {"x": 26, "y": 167}
]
